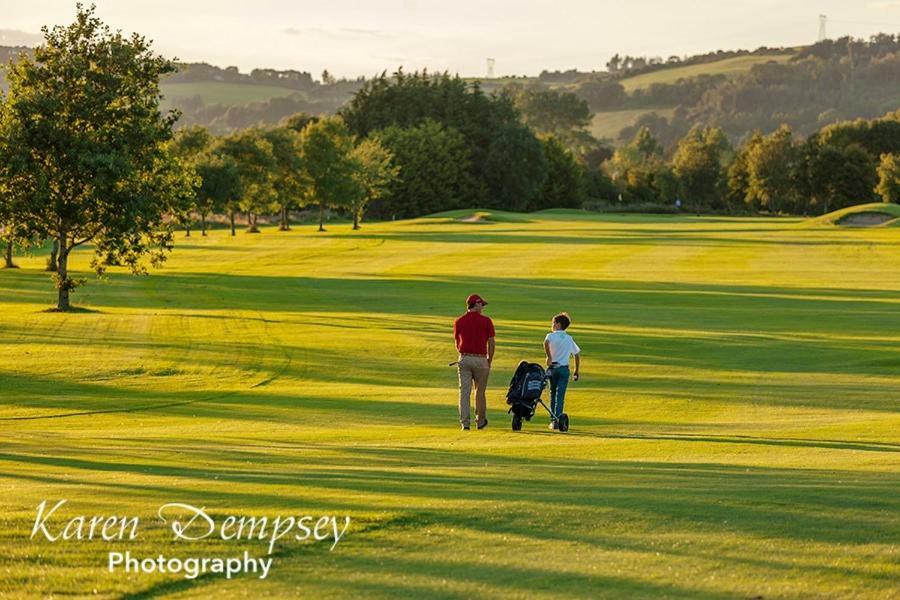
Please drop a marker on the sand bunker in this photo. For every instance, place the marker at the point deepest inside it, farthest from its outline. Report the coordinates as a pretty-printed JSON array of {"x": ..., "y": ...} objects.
[
  {"x": 476, "y": 218},
  {"x": 866, "y": 219}
]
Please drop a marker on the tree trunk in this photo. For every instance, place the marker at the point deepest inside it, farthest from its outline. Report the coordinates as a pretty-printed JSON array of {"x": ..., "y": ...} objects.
[
  {"x": 251, "y": 223},
  {"x": 321, "y": 217},
  {"x": 187, "y": 229},
  {"x": 355, "y": 220},
  {"x": 9, "y": 254},
  {"x": 203, "y": 225},
  {"x": 231, "y": 215},
  {"x": 54, "y": 252},
  {"x": 62, "y": 275},
  {"x": 285, "y": 225}
]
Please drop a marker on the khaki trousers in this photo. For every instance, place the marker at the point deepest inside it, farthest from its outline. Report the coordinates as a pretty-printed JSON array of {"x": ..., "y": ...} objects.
[{"x": 473, "y": 369}]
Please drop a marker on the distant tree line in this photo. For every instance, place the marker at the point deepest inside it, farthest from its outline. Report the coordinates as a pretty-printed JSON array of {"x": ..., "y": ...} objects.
[
  {"x": 841, "y": 165},
  {"x": 621, "y": 66},
  {"x": 629, "y": 66},
  {"x": 200, "y": 72}
]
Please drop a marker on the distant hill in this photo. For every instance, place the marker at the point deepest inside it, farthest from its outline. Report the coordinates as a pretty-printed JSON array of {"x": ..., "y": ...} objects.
[
  {"x": 805, "y": 87},
  {"x": 728, "y": 67}
]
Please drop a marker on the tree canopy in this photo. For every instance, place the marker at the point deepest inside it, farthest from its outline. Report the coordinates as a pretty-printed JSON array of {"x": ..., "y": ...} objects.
[{"x": 83, "y": 142}]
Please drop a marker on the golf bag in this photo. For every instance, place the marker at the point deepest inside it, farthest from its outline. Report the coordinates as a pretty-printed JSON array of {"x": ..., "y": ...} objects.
[{"x": 524, "y": 394}]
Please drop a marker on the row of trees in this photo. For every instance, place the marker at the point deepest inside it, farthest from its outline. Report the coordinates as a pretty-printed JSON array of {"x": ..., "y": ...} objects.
[
  {"x": 841, "y": 165},
  {"x": 307, "y": 161}
]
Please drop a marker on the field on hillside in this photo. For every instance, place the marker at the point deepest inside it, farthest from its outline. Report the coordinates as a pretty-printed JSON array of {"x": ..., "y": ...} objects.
[
  {"x": 728, "y": 66},
  {"x": 217, "y": 92},
  {"x": 735, "y": 434},
  {"x": 608, "y": 124}
]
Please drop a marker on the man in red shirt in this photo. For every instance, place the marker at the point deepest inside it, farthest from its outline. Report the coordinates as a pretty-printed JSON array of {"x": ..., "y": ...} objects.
[{"x": 474, "y": 335}]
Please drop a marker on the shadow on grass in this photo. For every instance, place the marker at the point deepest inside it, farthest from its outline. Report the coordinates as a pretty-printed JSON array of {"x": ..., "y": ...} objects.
[{"x": 495, "y": 495}]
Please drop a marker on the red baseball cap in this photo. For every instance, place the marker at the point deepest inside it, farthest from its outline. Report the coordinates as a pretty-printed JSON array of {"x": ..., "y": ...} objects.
[{"x": 475, "y": 298}]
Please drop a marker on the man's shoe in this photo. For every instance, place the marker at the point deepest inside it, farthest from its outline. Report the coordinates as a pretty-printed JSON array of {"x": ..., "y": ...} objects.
[
  {"x": 465, "y": 427},
  {"x": 483, "y": 425},
  {"x": 553, "y": 425}
]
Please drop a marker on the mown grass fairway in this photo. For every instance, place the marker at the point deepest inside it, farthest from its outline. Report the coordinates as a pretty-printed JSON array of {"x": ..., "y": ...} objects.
[{"x": 735, "y": 434}]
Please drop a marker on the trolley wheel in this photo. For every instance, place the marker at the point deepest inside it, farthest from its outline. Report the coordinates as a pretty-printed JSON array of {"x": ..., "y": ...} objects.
[
  {"x": 516, "y": 423},
  {"x": 564, "y": 422}
]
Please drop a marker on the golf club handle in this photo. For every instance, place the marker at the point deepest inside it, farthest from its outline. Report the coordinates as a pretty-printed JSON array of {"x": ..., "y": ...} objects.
[{"x": 453, "y": 364}]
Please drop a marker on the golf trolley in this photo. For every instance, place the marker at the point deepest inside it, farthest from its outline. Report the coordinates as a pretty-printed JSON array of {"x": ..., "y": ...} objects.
[{"x": 524, "y": 395}]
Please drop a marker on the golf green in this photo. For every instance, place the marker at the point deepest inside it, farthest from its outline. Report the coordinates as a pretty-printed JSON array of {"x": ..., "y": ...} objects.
[{"x": 735, "y": 434}]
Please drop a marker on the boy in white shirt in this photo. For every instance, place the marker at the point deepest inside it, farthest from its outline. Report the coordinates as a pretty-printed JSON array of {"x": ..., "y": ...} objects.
[{"x": 559, "y": 345}]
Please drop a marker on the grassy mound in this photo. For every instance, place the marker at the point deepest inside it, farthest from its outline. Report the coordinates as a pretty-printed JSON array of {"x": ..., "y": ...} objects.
[
  {"x": 479, "y": 215},
  {"x": 875, "y": 214}
]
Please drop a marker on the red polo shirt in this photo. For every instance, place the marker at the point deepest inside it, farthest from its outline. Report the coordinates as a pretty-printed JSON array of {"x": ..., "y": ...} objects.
[{"x": 472, "y": 331}]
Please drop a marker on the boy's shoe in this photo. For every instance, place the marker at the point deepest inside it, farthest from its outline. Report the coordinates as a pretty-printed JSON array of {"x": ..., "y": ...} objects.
[
  {"x": 553, "y": 425},
  {"x": 483, "y": 425},
  {"x": 465, "y": 427}
]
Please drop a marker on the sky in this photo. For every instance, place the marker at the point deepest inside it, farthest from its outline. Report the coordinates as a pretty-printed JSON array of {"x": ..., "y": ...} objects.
[{"x": 352, "y": 38}]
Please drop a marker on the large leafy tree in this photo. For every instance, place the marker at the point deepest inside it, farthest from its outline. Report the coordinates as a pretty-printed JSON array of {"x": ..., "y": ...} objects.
[
  {"x": 11, "y": 232},
  {"x": 515, "y": 168},
  {"x": 255, "y": 160},
  {"x": 189, "y": 146},
  {"x": 638, "y": 169},
  {"x": 220, "y": 186},
  {"x": 565, "y": 186},
  {"x": 562, "y": 115},
  {"x": 698, "y": 165},
  {"x": 434, "y": 170},
  {"x": 738, "y": 175},
  {"x": 774, "y": 167},
  {"x": 290, "y": 182},
  {"x": 889, "y": 178},
  {"x": 83, "y": 141},
  {"x": 374, "y": 173},
  {"x": 325, "y": 147},
  {"x": 838, "y": 177},
  {"x": 491, "y": 131},
  {"x": 298, "y": 121}
]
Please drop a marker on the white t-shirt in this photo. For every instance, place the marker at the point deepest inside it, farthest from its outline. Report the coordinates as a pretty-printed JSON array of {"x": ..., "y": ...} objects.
[{"x": 561, "y": 346}]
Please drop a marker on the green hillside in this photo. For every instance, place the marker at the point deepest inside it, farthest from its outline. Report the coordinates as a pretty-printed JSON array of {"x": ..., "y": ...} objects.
[
  {"x": 734, "y": 435},
  {"x": 728, "y": 66},
  {"x": 608, "y": 124}
]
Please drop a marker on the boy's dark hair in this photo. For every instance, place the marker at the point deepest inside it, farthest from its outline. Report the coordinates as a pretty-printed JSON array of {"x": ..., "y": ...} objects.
[
  {"x": 563, "y": 320},
  {"x": 471, "y": 305}
]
